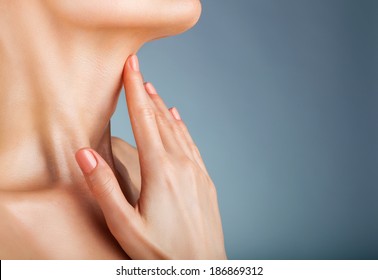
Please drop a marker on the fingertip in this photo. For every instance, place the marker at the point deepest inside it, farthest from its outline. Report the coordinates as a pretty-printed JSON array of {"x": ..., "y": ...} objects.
[
  {"x": 86, "y": 160},
  {"x": 131, "y": 72},
  {"x": 133, "y": 63},
  {"x": 131, "y": 67},
  {"x": 175, "y": 113},
  {"x": 150, "y": 88}
]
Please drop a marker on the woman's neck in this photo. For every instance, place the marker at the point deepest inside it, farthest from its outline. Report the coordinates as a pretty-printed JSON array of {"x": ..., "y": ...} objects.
[{"x": 58, "y": 89}]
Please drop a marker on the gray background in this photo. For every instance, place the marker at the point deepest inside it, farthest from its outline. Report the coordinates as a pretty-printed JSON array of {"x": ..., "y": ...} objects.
[{"x": 281, "y": 98}]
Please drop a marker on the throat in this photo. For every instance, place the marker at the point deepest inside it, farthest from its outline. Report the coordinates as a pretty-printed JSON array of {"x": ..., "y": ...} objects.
[
  {"x": 39, "y": 160},
  {"x": 43, "y": 122},
  {"x": 57, "y": 95}
]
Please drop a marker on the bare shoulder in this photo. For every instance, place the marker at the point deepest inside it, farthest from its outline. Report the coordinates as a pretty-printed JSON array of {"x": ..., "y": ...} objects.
[
  {"x": 125, "y": 155},
  {"x": 126, "y": 161},
  {"x": 120, "y": 145}
]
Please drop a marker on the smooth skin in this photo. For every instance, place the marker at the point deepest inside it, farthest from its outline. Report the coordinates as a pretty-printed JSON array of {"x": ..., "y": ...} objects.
[
  {"x": 176, "y": 215},
  {"x": 60, "y": 78}
]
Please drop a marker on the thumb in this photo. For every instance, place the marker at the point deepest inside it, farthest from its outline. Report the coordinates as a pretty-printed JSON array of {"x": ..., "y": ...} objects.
[{"x": 119, "y": 214}]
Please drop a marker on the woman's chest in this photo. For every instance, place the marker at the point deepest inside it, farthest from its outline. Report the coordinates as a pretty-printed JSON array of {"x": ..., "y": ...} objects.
[{"x": 54, "y": 224}]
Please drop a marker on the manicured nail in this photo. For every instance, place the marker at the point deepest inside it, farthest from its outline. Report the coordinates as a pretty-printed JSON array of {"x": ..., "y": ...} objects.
[
  {"x": 86, "y": 161},
  {"x": 175, "y": 114},
  {"x": 150, "y": 88},
  {"x": 134, "y": 63}
]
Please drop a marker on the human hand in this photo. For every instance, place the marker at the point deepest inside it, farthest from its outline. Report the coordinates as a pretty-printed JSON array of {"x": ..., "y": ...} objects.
[{"x": 176, "y": 215}]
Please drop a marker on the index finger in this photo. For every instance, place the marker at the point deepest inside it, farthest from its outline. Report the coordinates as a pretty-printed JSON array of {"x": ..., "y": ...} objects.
[{"x": 141, "y": 111}]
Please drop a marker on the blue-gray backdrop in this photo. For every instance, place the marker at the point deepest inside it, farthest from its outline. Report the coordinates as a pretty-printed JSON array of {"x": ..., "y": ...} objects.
[{"x": 281, "y": 98}]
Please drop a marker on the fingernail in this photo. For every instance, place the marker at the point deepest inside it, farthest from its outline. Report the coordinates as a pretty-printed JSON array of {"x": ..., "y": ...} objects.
[
  {"x": 134, "y": 63},
  {"x": 175, "y": 114},
  {"x": 150, "y": 88},
  {"x": 86, "y": 161}
]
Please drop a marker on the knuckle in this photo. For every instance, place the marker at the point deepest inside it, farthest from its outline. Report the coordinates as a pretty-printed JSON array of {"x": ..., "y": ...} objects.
[
  {"x": 168, "y": 167},
  {"x": 164, "y": 164},
  {"x": 133, "y": 77},
  {"x": 189, "y": 167},
  {"x": 156, "y": 98},
  {"x": 103, "y": 186},
  {"x": 195, "y": 149},
  {"x": 182, "y": 126},
  {"x": 178, "y": 130},
  {"x": 212, "y": 188},
  {"x": 146, "y": 112},
  {"x": 117, "y": 225},
  {"x": 162, "y": 119}
]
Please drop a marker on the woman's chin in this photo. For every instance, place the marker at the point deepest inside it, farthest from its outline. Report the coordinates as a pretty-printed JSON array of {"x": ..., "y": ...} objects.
[
  {"x": 153, "y": 19},
  {"x": 178, "y": 19},
  {"x": 190, "y": 16}
]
